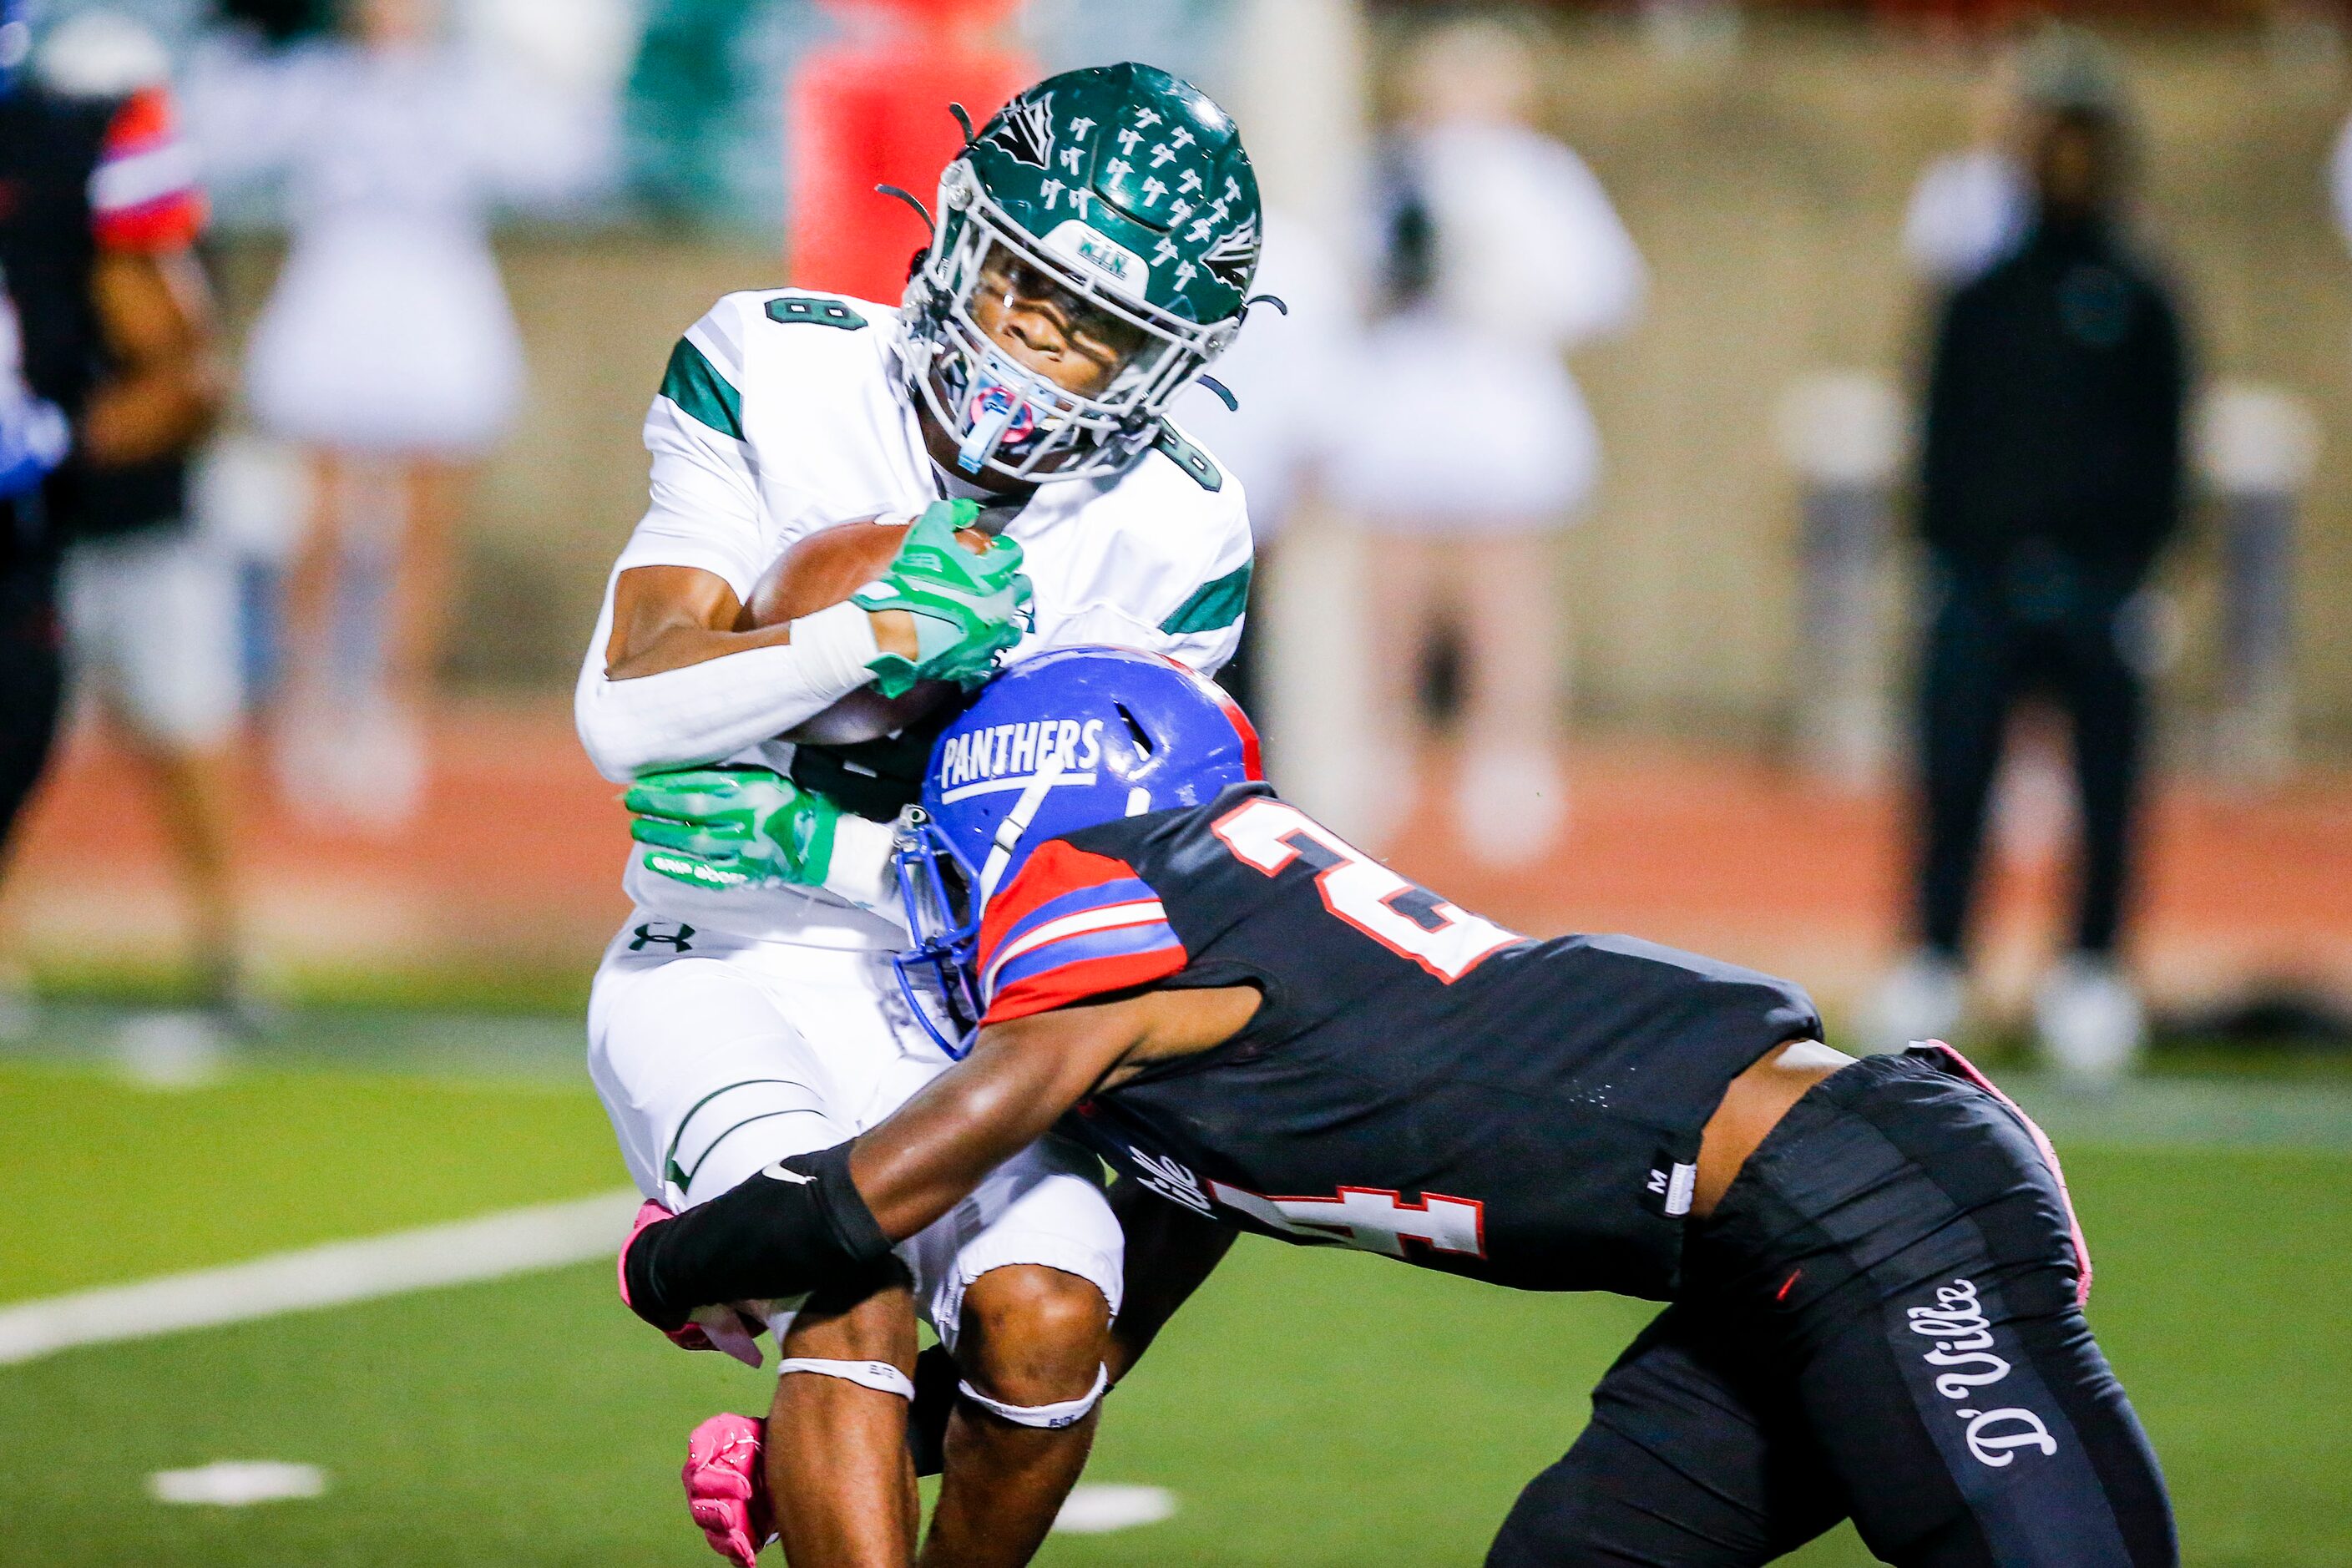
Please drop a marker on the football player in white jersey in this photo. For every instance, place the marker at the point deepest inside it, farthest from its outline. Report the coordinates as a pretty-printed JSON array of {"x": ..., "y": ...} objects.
[{"x": 1092, "y": 253}]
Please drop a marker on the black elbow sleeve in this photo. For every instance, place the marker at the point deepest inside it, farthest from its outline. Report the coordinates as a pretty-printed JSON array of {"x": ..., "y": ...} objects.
[{"x": 798, "y": 1225}]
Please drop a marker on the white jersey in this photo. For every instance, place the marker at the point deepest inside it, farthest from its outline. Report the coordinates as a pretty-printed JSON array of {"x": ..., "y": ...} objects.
[{"x": 784, "y": 413}]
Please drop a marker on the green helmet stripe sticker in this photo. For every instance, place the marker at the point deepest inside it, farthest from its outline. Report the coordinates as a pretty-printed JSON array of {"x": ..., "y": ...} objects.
[
  {"x": 1213, "y": 605},
  {"x": 700, "y": 392}
]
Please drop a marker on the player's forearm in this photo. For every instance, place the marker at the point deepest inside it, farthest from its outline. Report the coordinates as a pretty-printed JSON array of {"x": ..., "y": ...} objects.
[
  {"x": 1020, "y": 1079},
  {"x": 711, "y": 709},
  {"x": 166, "y": 387},
  {"x": 682, "y": 646},
  {"x": 1170, "y": 1252},
  {"x": 156, "y": 411},
  {"x": 939, "y": 1147}
]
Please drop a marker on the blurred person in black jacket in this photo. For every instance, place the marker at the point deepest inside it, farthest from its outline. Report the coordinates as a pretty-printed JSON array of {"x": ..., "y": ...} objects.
[{"x": 2051, "y": 481}]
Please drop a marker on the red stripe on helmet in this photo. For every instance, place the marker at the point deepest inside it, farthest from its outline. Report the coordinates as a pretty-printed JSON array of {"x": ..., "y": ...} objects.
[{"x": 1252, "y": 766}]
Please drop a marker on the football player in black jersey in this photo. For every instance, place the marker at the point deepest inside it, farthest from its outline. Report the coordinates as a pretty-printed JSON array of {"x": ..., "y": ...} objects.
[
  {"x": 1874, "y": 1278},
  {"x": 111, "y": 377}
]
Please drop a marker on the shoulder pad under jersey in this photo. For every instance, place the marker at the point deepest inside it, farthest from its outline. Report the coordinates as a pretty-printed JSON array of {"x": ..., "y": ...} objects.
[
  {"x": 1188, "y": 457},
  {"x": 813, "y": 310}
]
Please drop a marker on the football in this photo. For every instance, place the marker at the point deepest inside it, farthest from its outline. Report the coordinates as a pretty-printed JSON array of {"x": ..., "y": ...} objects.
[{"x": 822, "y": 570}]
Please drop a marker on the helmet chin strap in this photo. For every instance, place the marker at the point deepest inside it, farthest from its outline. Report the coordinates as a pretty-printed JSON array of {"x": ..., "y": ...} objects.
[
  {"x": 1016, "y": 823},
  {"x": 1007, "y": 391},
  {"x": 987, "y": 430}
]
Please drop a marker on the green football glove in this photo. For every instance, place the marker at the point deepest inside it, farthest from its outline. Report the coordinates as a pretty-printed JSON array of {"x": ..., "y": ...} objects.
[
  {"x": 732, "y": 827},
  {"x": 965, "y": 606}
]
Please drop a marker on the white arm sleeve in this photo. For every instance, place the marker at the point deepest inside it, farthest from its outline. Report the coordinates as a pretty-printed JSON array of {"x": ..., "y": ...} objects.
[
  {"x": 705, "y": 513},
  {"x": 706, "y": 713}
]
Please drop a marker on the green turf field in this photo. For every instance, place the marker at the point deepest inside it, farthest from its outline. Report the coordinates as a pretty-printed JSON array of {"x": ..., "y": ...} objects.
[{"x": 1311, "y": 1408}]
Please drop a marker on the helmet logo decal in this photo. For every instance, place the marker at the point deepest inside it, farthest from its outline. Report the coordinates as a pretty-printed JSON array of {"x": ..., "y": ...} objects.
[
  {"x": 1054, "y": 191},
  {"x": 1025, "y": 131},
  {"x": 1096, "y": 250},
  {"x": 1011, "y": 756},
  {"x": 1235, "y": 256}
]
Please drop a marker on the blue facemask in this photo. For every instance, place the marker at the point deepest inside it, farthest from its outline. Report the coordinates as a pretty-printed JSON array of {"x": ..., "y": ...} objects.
[{"x": 1059, "y": 743}]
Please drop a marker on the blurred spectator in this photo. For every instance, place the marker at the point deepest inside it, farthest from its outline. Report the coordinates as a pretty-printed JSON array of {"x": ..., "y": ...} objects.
[
  {"x": 279, "y": 21},
  {"x": 2051, "y": 478},
  {"x": 1970, "y": 209},
  {"x": 703, "y": 118},
  {"x": 1465, "y": 443},
  {"x": 99, "y": 212},
  {"x": 386, "y": 350}
]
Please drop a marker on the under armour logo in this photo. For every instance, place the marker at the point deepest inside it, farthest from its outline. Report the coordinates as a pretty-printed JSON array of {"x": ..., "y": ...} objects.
[{"x": 676, "y": 936}]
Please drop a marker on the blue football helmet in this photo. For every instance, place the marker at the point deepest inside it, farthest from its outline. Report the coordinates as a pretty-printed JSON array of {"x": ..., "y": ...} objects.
[{"x": 1065, "y": 740}]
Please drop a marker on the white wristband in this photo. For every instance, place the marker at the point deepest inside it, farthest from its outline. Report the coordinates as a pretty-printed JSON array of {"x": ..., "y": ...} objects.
[{"x": 864, "y": 867}]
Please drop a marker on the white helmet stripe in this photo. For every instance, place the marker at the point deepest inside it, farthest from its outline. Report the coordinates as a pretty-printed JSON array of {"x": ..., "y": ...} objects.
[{"x": 1016, "y": 823}]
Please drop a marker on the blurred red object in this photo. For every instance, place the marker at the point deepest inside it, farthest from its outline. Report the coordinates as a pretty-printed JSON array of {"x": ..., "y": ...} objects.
[{"x": 872, "y": 108}]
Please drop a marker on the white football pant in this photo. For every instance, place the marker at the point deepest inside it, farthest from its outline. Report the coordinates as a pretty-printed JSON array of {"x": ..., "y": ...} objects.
[{"x": 718, "y": 1055}]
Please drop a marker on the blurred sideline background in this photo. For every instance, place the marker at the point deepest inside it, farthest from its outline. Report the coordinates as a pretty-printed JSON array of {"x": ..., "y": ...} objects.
[
  {"x": 1734, "y": 676},
  {"x": 1762, "y": 160}
]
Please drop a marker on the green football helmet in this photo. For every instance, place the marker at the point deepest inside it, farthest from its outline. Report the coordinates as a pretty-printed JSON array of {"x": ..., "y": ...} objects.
[{"x": 1120, "y": 197}]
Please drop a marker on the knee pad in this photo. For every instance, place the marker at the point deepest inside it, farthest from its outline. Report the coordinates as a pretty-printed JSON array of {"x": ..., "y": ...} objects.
[
  {"x": 1044, "y": 1417},
  {"x": 877, "y": 1376}
]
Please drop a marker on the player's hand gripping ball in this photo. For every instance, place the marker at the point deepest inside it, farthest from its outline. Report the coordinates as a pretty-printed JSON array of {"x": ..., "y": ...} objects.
[
  {"x": 731, "y": 827},
  {"x": 968, "y": 604}
]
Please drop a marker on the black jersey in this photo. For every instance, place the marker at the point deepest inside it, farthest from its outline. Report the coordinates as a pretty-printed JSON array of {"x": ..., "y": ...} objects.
[
  {"x": 78, "y": 177},
  {"x": 49, "y": 148},
  {"x": 1418, "y": 1081}
]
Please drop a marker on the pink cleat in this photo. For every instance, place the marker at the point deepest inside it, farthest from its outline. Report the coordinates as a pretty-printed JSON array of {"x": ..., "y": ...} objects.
[
  {"x": 725, "y": 1490},
  {"x": 713, "y": 1327}
]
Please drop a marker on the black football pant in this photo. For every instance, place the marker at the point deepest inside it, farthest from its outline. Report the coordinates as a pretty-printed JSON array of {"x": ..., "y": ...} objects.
[
  {"x": 1879, "y": 1321},
  {"x": 1983, "y": 656}
]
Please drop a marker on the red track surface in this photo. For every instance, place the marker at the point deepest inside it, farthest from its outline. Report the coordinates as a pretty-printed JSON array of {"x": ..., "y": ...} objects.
[{"x": 515, "y": 858}]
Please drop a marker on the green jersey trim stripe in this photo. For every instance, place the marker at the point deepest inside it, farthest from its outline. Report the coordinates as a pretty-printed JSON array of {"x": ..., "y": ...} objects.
[
  {"x": 700, "y": 392},
  {"x": 1213, "y": 605}
]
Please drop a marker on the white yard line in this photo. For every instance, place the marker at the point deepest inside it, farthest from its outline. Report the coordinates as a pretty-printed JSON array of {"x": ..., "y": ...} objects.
[{"x": 516, "y": 1241}]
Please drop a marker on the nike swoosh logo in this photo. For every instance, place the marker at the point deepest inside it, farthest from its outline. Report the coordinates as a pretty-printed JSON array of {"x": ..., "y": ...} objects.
[{"x": 778, "y": 1173}]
